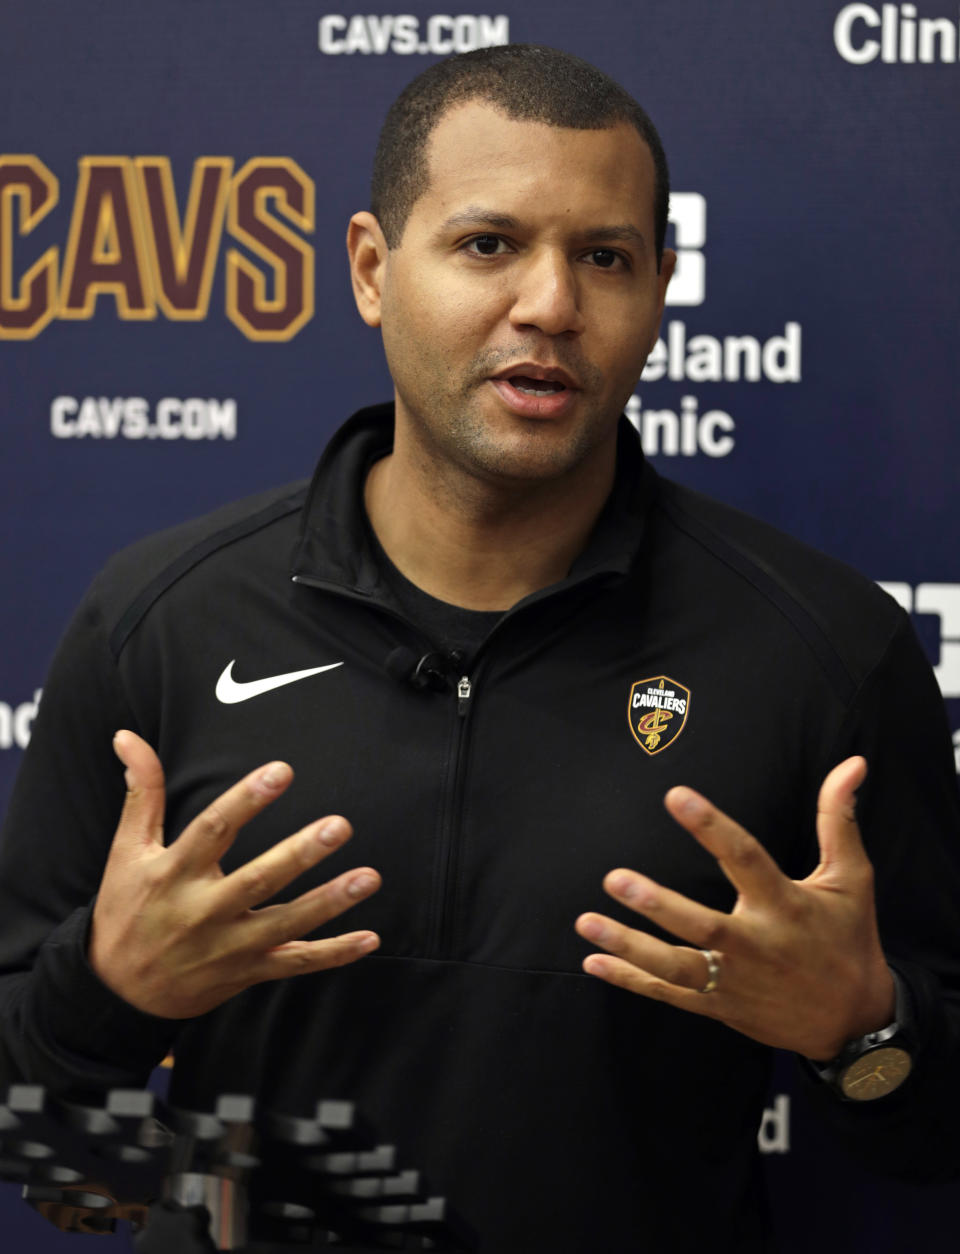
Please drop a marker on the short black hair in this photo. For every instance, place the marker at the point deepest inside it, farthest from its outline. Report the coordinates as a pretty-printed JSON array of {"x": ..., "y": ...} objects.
[{"x": 528, "y": 82}]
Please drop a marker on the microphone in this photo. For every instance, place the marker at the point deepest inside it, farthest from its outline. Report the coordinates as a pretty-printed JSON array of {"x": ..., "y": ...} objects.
[{"x": 434, "y": 671}]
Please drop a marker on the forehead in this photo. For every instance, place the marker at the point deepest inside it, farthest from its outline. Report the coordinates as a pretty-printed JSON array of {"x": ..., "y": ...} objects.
[{"x": 479, "y": 155}]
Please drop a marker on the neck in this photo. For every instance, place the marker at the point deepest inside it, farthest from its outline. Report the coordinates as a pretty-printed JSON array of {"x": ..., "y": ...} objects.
[{"x": 475, "y": 543}]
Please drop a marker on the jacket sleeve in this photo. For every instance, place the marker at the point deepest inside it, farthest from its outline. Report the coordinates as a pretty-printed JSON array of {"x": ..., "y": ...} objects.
[
  {"x": 909, "y": 814},
  {"x": 59, "y": 1025}
]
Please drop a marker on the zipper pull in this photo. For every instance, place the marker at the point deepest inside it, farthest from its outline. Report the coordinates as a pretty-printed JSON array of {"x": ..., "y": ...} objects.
[{"x": 463, "y": 695}]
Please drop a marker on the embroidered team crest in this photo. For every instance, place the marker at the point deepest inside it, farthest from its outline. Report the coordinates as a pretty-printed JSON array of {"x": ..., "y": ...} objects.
[{"x": 657, "y": 712}]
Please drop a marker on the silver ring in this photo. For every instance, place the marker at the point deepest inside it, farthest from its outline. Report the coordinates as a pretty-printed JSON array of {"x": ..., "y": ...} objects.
[{"x": 713, "y": 970}]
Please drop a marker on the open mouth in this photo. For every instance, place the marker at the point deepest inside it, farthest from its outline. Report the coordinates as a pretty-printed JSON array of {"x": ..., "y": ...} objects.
[
  {"x": 544, "y": 392},
  {"x": 535, "y": 387}
]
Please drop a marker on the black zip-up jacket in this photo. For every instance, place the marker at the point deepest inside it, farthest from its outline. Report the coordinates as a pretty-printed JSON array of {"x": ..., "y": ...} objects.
[{"x": 558, "y": 1114}]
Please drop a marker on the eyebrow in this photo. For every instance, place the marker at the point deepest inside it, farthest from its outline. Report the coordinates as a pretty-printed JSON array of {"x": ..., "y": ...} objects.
[{"x": 477, "y": 217}]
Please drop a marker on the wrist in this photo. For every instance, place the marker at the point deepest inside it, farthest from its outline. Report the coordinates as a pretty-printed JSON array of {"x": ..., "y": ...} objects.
[
  {"x": 877, "y": 1009},
  {"x": 876, "y": 1063}
]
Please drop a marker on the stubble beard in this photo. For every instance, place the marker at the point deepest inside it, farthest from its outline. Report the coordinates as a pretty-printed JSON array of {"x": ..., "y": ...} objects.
[{"x": 462, "y": 434}]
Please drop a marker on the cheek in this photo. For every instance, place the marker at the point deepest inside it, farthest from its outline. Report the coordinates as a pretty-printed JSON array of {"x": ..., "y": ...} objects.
[
  {"x": 407, "y": 329},
  {"x": 621, "y": 359},
  {"x": 464, "y": 307},
  {"x": 429, "y": 311},
  {"x": 627, "y": 335}
]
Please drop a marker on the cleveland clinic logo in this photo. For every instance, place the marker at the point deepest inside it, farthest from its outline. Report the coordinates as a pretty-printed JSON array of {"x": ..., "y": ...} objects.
[
  {"x": 688, "y": 215},
  {"x": 680, "y": 355},
  {"x": 895, "y": 34},
  {"x": 941, "y": 601},
  {"x": 16, "y": 722}
]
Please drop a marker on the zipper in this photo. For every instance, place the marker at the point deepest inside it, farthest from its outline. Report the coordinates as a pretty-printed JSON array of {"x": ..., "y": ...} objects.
[
  {"x": 441, "y": 920},
  {"x": 464, "y": 690},
  {"x": 444, "y": 918},
  {"x": 441, "y": 926}
]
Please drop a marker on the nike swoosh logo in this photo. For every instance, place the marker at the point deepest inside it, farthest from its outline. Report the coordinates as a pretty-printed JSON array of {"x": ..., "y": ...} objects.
[{"x": 229, "y": 691}]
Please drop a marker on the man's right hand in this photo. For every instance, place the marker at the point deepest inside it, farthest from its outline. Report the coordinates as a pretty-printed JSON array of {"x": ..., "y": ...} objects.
[{"x": 174, "y": 936}]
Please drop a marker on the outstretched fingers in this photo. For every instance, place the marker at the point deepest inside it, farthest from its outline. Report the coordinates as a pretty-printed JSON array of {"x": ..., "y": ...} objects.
[
  {"x": 641, "y": 964},
  {"x": 656, "y": 959},
  {"x": 262, "y": 877},
  {"x": 623, "y": 974},
  {"x": 277, "y": 929},
  {"x": 742, "y": 858},
  {"x": 300, "y": 957},
  {"x": 288, "y": 921},
  {"x": 141, "y": 821},
  {"x": 700, "y": 925},
  {"x": 841, "y": 846},
  {"x": 205, "y": 840}
]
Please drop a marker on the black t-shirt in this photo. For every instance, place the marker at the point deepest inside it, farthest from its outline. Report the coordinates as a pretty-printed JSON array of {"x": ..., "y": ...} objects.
[{"x": 452, "y": 628}]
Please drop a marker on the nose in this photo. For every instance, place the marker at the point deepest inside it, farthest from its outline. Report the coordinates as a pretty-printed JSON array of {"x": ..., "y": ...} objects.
[{"x": 547, "y": 296}]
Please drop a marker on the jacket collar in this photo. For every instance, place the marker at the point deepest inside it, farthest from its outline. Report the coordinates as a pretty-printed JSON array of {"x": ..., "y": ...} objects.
[{"x": 334, "y": 548}]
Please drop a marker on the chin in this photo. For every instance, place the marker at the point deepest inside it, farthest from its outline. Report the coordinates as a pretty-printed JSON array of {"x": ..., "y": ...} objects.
[{"x": 535, "y": 458}]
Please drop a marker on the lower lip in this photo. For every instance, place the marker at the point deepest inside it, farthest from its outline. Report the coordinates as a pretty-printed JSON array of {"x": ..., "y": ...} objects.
[{"x": 552, "y": 406}]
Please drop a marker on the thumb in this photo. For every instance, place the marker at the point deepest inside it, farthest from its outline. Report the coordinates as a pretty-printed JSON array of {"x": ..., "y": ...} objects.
[
  {"x": 841, "y": 848},
  {"x": 143, "y": 808}
]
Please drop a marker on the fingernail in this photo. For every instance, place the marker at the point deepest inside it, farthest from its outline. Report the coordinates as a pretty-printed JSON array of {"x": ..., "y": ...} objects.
[
  {"x": 332, "y": 832},
  {"x": 361, "y": 884},
  {"x": 274, "y": 775},
  {"x": 593, "y": 929},
  {"x": 636, "y": 889},
  {"x": 368, "y": 943},
  {"x": 624, "y": 886},
  {"x": 690, "y": 804}
]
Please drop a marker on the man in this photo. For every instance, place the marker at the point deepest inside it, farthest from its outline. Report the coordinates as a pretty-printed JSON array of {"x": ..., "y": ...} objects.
[{"x": 501, "y": 641}]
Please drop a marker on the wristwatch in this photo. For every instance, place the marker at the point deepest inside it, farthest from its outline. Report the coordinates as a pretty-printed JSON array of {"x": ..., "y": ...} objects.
[{"x": 874, "y": 1065}]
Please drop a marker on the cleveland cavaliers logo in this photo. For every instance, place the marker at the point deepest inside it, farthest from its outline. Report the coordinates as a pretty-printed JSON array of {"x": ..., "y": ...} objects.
[{"x": 657, "y": 712}]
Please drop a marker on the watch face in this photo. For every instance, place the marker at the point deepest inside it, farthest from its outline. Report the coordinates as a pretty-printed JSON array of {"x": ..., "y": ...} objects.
[{"x": 875, "y": 1074}]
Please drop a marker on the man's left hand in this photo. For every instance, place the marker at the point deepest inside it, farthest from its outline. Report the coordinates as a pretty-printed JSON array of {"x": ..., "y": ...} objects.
[{"x": 797, "y": 964}]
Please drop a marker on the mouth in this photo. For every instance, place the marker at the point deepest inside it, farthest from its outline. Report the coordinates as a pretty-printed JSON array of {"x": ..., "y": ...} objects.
[
  {"x": 535, "y": 391},
  {"x": 535, "y": 387},
  {"x": 527, "y": 376}
]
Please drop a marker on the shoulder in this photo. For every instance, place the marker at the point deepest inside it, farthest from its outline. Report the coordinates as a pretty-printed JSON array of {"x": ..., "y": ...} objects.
[
  {"x": 238, "y": 537},
  {"x": 841, "y": 614}
]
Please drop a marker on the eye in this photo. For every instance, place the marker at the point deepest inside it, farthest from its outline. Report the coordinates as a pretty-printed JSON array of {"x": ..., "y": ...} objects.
[
  {"x": 485, "y": 245},
  {"x": 607, "y": 259}
]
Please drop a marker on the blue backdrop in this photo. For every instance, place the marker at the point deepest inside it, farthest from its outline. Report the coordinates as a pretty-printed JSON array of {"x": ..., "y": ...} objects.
[{"x": 177, "y": 329}]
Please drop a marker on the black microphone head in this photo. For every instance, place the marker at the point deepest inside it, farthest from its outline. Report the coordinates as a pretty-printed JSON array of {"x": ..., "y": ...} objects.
[{"x": 432, "y": 670}]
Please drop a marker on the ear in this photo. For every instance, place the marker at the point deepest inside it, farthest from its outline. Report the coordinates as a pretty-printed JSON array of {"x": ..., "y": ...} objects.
[
  {"x": 668, "y": 263},
  {"x": 368, "y": 257}
]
